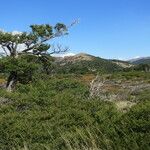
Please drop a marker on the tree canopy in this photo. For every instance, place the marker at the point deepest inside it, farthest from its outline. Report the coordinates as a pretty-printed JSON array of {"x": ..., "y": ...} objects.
[
  {"x": 34, "y": 42},
  {"x": 20, "y": 48}
]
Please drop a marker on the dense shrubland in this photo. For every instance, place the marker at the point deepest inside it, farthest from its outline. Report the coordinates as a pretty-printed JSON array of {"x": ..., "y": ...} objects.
[
  {"x": 85, "y": 66},
  {"x": 55, "y": 112}
]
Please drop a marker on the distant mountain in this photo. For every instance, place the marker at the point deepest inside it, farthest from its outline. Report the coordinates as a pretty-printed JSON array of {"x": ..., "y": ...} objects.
[
  {"x": 85, "y": 63},
  {"x": 141, "y": 60}
]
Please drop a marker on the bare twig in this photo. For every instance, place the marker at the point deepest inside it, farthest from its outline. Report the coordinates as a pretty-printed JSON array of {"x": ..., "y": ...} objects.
[
  {"x": 58, "y": 49},
  {"x": 4, "y": 50}
]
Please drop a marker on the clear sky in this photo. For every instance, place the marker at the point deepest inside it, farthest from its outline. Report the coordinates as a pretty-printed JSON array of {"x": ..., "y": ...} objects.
[{"x": 107, "y": 28}]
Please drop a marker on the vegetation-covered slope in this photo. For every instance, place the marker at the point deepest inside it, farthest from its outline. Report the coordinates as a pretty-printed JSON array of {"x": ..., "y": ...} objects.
[
  {"x": 138, "y": 61},
  {"x": 56, "y": 112},
  {"x": 84, "y": 63}
]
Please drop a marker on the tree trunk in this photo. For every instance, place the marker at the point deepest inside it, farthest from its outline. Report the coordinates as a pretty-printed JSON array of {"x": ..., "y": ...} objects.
[{"x": 11, "y": 81}]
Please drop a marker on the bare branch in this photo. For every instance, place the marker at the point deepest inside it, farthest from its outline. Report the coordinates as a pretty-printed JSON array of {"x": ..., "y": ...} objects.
[
  {"x": 58, "y": 49},
  {"x": 42, "y": 41},
  {"x": 73, "y": 23},
  {"x": 4, "y": 50}
]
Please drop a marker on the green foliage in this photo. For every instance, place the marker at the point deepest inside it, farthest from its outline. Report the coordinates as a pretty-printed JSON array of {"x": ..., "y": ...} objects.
[
  {"x": 34, "y": 43},
  {"x": 55, "y": 112},
  {"x": 43, "y": 47},
  {"x": 25, "y": 66},
  {"x": 60, "y": 27},
  {"x": 142, "y": 67},
  {"x": 38, "y": 31},
  {"x": 131, "y": 75},
  {"x": 83, "y": 67},
  {"x": 42, "y": 30},
  {"x": 134, "y": 127}
]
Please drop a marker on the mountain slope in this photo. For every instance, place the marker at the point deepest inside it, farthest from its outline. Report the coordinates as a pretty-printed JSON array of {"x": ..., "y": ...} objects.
[
  {"x": 85, "y": 63},
  {"x": 142, "y": 60}
]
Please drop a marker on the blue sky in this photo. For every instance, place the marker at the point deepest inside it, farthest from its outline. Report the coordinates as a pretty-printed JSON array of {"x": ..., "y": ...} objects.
[{"x": 107, "y": 28}]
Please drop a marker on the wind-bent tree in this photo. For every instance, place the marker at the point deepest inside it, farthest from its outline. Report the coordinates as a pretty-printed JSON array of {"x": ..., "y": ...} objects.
[{"x": 16, "y": 45}]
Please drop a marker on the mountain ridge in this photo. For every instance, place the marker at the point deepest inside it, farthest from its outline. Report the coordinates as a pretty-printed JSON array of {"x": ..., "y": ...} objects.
[
  {"x": 141, "y": 60},
  {"x": 89, "y": 57},
  {"x": 86, "y": 63}
]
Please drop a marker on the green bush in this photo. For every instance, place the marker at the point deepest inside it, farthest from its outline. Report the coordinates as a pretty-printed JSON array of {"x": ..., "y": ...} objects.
[{"x": 55, "y": 112}]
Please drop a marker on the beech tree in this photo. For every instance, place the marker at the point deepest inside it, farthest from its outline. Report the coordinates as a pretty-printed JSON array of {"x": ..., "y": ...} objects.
[{"x": 17, "y": 45}]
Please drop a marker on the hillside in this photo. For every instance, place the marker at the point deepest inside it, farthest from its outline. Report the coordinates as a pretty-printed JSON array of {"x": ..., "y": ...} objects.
[
  {"x": 85, "y": 63},
  {"x": 142, "y": 60},
  {"x": 84, "y": 103},
  {"x": 81, "y": 112}
]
